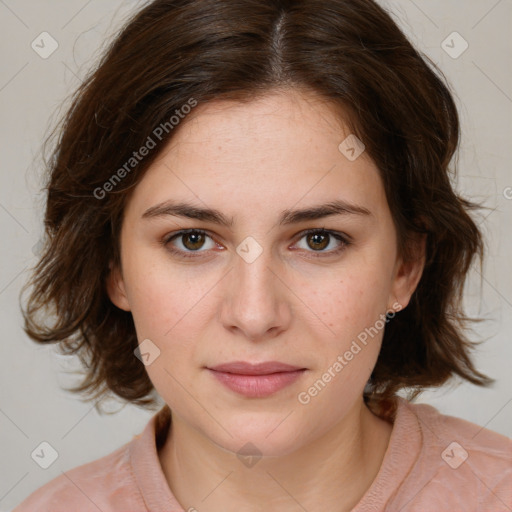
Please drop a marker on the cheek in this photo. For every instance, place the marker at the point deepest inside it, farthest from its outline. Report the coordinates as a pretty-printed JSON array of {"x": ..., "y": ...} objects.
[
  {"x": 350, "y": 303},
  {"x": 167, "y": 310},
  {"x": 170, "y": 305},
  {"x": 352, "y": 308}
]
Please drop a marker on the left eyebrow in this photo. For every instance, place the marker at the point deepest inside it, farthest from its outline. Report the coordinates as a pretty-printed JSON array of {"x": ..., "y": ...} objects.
[
  {"x": 337, "y": 207},
  {"x": 287, "y": 217}
]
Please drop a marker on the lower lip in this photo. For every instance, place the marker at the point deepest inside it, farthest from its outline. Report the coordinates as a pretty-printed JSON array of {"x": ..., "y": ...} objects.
[{"x": 257, "y": 386}]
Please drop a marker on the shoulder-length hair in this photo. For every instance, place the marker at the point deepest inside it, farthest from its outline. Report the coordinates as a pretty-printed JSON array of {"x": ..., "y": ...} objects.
[{"x": 174, "y": 53}]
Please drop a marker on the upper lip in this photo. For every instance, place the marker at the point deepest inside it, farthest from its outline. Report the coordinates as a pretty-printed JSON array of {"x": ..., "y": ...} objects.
[{"x": 245, "y": 368}]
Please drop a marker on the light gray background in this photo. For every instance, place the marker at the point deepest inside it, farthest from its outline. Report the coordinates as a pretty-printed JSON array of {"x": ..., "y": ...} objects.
[{"x": 33, "y": 408}]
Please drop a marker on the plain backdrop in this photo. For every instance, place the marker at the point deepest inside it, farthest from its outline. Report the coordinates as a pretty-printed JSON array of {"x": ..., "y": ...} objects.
[{"x": 34, "y": 408}]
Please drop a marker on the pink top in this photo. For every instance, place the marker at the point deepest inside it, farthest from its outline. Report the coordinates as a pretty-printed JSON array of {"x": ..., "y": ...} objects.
[{"x": 433, "y": 463}]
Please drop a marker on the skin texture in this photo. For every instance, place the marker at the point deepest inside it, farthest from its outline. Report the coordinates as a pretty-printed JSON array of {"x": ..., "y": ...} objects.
[{"x": 252, "y": 161}]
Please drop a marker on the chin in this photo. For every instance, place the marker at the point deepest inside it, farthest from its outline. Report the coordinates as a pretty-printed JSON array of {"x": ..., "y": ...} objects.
[{"x": 256, "y": 440}]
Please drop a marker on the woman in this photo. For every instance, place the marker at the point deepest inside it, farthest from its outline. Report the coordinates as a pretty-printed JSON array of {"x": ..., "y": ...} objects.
[{"x": 250, "y": 213}]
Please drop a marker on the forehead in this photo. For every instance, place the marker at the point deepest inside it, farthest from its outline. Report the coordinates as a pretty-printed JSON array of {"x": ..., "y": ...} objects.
[
  {"x": 291, "y": 115},
  {"x": 276, "y": 151}
]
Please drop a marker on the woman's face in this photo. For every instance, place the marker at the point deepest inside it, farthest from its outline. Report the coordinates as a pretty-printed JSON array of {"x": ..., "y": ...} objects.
[{"x": 254, "y": 286}]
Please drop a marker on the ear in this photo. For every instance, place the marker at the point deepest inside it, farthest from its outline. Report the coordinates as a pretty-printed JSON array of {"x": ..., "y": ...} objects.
[
  {"x": 407, "y": 274},
  {"x": 116, "y": 289}
]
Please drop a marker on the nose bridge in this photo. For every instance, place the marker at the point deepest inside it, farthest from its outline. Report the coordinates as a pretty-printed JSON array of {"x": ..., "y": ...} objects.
[
  {"x": 256, "y": 301},
  {"x": 252, "y": 276}
]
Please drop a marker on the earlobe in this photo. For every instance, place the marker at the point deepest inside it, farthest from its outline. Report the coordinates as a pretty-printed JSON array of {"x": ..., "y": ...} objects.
[
  {"x": 408, "y": 273},
  {"x": 116, "y": 289}
]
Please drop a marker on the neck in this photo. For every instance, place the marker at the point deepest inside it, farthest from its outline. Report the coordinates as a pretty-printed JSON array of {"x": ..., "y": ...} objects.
[{"x": 332, "y": 473}]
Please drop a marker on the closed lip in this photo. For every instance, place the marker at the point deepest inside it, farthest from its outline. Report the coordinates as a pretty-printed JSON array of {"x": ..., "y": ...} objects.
[{"x": 245, "y": 368}]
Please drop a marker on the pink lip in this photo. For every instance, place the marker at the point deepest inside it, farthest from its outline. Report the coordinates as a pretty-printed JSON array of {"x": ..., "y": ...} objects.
[
  {"x": 244, "y": 368},
  {"x": 256, "y": 380}
]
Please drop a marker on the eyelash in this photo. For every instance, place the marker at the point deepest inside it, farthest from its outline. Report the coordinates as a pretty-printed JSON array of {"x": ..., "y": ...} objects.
[{"x": 315, "y": 254}]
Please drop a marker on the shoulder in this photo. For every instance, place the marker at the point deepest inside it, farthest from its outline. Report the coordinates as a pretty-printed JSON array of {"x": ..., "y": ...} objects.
[
  {"x": 460, "y": 462},
  {"x": 104, "y": 484},
  {"x": 483, "y": 444}
]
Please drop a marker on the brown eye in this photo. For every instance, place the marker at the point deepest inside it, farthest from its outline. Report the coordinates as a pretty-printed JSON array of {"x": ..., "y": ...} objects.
[
  {"x": 321, "y": 242},
  {"x": 193, "y": 241},
  {"x": 318, "y": 241},
  {"x": 188, "y": 242}
]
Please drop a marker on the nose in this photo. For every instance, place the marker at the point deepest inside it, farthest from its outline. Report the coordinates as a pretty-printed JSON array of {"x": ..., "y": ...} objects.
[{"x": 256, "y": 301}]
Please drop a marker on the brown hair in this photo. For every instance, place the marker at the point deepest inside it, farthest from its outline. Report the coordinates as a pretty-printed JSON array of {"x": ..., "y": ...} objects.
[{"x": 177, "y": 52}]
